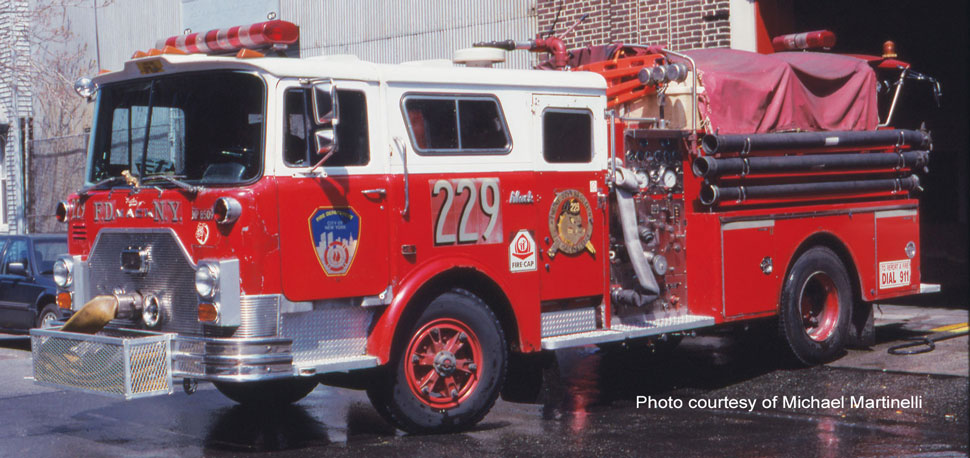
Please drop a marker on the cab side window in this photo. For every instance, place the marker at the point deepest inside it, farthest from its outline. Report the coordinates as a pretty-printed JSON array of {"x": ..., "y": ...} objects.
[
  {"x": 16, "y": 252},
  {"x": 456, "y": 125},
  {"x": 567, "y": 136},
  {"x": 353, "y": 146}
]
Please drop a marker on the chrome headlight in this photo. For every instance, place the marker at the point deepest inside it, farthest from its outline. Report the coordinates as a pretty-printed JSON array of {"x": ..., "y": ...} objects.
[
  {"x": 64, "y": 272},
  {"x": 207, "y": 280}
]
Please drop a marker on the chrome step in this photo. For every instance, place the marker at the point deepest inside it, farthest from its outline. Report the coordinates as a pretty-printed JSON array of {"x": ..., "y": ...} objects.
[
  {"x": 628, "y": 331},
  {"x": 337, "y": 365}
]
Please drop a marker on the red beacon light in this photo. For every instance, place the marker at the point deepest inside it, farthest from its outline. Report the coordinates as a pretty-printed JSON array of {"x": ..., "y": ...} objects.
[
  {"x": 277, "y": 34},
  {"x": 815, "y": 39}
]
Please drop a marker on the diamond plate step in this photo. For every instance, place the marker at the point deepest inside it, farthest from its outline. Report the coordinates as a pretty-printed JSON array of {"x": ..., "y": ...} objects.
[{"x": 627, "y": 331}]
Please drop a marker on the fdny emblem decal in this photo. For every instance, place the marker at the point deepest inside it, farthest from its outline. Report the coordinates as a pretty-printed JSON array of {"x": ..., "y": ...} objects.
[
  {"x": 335, "y": 233},
  {"x": 570, "y": 223},
  {"x": 202, "y": 233},
  {"x": 522, "y": 252}
]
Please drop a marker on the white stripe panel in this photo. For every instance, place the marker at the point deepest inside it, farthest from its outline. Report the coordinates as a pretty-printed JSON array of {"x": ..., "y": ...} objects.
[
  {"x": 895, "y": 213},
  {"x": 748, "y": 225}
]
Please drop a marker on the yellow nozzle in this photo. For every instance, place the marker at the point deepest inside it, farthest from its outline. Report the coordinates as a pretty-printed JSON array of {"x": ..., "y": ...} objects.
[{"x": 93, "y": 316}]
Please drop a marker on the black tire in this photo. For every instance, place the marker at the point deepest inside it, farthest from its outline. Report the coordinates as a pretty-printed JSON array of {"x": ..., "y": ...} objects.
[
  {"x": 267, "y": 393},
  {"x": 48, "y": 313},
  {"x": 816, "y": 303},
  {"x": 402, "y": 399}
]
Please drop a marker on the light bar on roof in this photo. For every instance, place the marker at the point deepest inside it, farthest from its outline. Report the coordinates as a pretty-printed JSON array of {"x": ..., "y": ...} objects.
[
  {"x": 806, "y": 40},
  {"x": 232, "y": 39}
]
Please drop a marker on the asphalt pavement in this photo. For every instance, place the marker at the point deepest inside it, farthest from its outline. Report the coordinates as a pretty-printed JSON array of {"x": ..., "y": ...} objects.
[{"x": 714, "y": 395}]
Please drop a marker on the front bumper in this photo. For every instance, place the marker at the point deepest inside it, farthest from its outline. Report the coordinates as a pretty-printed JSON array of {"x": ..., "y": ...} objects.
[{"x": 132, "y": 364}]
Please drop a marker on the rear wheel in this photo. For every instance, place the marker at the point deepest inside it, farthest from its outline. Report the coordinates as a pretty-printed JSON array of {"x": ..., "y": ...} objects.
[
  {"x": 450, "y": 371},
  {"x": 815, "y": 306},
  {"x": 267, "y": 393}
]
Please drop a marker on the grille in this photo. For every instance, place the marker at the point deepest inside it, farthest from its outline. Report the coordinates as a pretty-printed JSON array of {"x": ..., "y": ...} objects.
[
  {"x": 170, "y": 276},
  {"x": 127, "y": 365},
  {"x": 260, "y": 316},
  {"x": 79, "y": 232}
]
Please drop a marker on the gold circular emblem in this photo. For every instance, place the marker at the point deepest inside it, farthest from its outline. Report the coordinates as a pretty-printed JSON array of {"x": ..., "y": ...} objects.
[{"x": 570, "y": 223}]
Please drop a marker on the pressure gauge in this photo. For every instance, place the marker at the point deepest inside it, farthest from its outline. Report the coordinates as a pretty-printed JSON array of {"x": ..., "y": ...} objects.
[{"x": 669, "y": 179}]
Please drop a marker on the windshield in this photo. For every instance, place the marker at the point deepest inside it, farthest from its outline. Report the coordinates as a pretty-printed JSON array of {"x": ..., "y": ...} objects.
[
  {"x": 46, "y": 252},
  {"x": 201, "y": 127}
]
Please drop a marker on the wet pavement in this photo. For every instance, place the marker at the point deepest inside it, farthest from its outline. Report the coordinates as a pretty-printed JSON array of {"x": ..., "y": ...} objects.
[{"x": 589, "y": 407}]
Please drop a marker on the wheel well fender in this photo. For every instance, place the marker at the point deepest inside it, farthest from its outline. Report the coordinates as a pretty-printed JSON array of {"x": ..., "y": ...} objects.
[
  {"x": 43, "y": 300},
  {"x": 428, "y": 282},
  {"x": 834, "y": 243}
]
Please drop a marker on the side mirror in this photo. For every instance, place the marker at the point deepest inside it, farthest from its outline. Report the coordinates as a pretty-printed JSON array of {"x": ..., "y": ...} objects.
[
  {"x": 17, "y": 268},
  {"x": 326, "y": 141},
  {"x": 325, "y": 103}
]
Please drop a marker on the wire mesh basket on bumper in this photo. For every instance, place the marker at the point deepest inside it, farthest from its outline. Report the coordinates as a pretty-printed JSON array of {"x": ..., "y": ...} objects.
[{"x": 124, "y": 364}]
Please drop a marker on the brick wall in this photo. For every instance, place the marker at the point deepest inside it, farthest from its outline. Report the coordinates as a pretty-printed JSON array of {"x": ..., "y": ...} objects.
[{"x": 690, "y": 23}]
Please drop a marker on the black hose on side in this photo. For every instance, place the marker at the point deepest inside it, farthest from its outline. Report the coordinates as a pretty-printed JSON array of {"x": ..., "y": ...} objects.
[
  {"x": 711, "y": 194},
  {"x": 710, "y": 167},
  {"x": 714, "y": 144}
]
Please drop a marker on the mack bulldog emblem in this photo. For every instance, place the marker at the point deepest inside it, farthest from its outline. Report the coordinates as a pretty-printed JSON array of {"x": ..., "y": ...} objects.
[
  {"x": 570, "y": 223},
  {"x": 335, "y": 233}
]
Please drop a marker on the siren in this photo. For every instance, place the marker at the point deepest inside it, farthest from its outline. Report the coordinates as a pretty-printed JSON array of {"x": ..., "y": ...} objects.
[
  {"x": 806, "y": 40},
  {"x": 276, "y": 34}
]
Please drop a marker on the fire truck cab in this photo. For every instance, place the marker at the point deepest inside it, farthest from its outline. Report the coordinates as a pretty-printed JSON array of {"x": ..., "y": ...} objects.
[{"x": 259, "y": 222}]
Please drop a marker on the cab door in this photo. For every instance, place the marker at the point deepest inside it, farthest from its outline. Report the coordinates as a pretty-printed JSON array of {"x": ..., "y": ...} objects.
[
  {"x": 570, "y": 173},
  {"x": 333, "y": 219}
]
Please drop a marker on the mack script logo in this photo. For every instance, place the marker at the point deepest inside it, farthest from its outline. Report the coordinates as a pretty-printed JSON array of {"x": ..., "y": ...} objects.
[{"x": 335, "y": 233}]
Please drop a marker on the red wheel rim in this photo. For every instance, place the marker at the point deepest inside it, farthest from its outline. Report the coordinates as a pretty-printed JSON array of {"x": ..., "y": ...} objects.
[
  {"x": 819, "y": 305},
  {"x": 443, "y": 363}
]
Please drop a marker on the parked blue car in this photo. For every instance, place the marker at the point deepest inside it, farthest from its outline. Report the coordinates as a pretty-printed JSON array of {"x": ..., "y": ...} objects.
[{"x": 28, "y": 296}]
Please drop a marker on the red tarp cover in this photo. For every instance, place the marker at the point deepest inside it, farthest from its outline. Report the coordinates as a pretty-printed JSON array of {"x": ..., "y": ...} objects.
[{"x": 755, "y": 93}]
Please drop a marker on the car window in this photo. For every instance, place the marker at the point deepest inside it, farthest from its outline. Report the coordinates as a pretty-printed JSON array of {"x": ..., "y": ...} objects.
[
  {"x": 46, "y": 252},
  {"x": 353, "y": 147},
  {"x": 567, "y": 136},
  {"x": 16, "y": 252}
]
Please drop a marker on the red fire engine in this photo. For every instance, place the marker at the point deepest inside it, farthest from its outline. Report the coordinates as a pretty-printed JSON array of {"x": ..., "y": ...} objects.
[{"x": 263, "y": 222}]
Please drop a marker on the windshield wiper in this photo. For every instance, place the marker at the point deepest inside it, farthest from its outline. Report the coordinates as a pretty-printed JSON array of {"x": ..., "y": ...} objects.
[
  {"x": 83, "y": 191},
  {"x": 174, "y": 179}
]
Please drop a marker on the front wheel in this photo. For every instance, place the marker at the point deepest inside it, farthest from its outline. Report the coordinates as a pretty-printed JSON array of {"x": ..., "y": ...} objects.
[
  {"x": 449, "y": 373},
  {"x": 815, "y": 306}
]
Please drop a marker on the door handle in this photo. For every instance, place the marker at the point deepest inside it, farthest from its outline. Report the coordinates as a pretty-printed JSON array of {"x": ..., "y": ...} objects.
[{"x": 378, "y": 191}]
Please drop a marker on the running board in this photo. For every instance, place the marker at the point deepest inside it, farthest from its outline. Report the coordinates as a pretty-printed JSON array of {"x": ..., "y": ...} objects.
[
  {"x": 337, "y": 365},
  {"x": 625, "y": 331}
]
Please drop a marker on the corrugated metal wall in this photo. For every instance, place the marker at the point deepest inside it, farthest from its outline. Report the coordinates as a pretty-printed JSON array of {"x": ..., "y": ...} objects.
[
  {"x": 400, "y": 30},
  {"x": 377, "y": 30},
  {"x": 126, "y": 26}
]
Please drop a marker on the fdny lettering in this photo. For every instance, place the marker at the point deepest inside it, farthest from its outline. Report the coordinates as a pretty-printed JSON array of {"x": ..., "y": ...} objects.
[
  {"x": 518, "y": 198},
  {"x": 167, "y": 211},
  {"x": 104, "y": 211}
]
